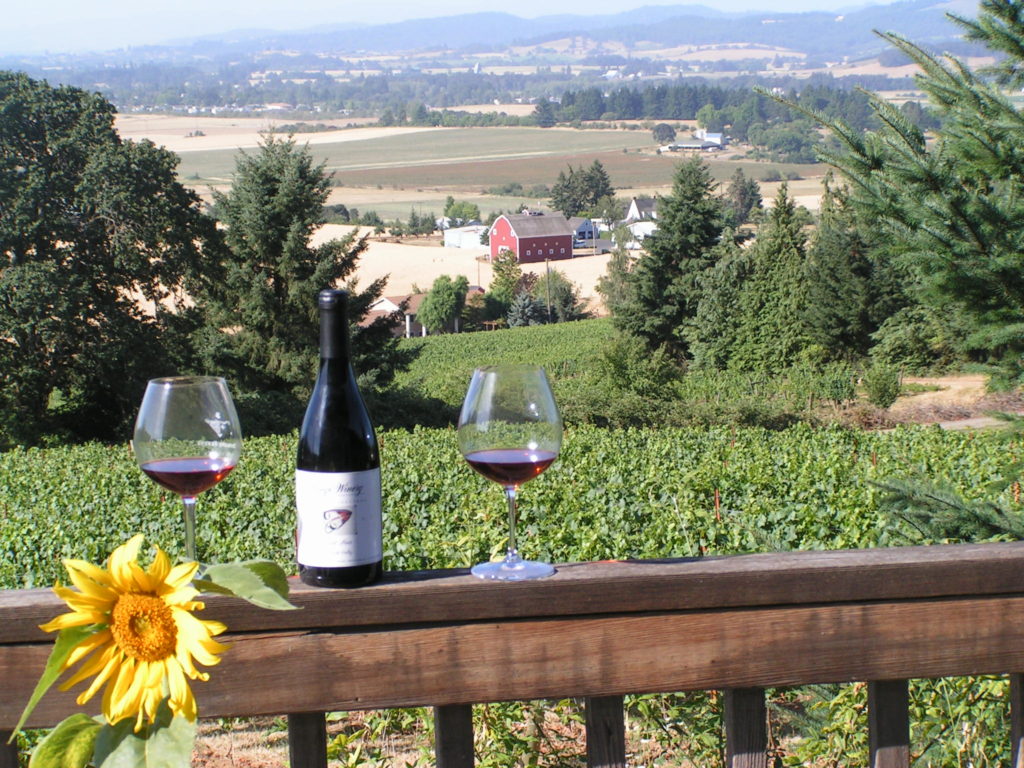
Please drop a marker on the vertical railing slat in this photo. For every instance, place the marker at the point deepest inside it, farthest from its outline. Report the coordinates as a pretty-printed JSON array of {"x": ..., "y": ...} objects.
[
  {"x": 453, "y": 736},
  {"x": 8, "y": 752},
  {"x": 746, "y": 728},
  {"x": 606, "y": 732},
  {"x": 307, "y": 740},
  {"x": 1017, "y": 720},
  {"x": 889, "y": 724}
]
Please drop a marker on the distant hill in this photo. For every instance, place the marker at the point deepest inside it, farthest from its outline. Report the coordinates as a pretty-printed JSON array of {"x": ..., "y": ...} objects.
[{"x": 815, "y": 33}]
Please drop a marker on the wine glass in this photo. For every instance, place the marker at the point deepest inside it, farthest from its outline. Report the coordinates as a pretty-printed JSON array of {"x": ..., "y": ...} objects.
[
  {"x": 510, "y": 431},
  {"x": 187, "y": 439}
]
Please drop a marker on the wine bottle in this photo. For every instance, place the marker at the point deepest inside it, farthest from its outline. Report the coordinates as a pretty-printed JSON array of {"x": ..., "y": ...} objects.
[{"x": 337, "y": 471}]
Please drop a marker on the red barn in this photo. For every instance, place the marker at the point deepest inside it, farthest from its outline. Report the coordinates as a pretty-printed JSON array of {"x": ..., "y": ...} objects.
[{"x": 532, "y": 237}]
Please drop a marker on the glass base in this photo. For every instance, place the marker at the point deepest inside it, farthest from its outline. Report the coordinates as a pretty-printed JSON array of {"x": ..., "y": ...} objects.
[{"x": 512, "y": 570}]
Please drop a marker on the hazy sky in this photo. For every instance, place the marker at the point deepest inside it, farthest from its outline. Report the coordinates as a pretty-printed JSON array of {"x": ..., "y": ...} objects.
[{"x": 74, "y": 25}]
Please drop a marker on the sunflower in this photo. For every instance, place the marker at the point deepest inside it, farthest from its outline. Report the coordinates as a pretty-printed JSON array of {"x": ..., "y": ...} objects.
[{"x": 146, "y": 639}]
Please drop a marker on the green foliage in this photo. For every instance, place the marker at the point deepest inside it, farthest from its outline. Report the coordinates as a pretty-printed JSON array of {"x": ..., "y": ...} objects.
[
  {"x": 665, "y": 280},
  {"x": 525, "y": 310},
  {"x": 770, "y": 333},
  {"x": 663, "y": 133},
  {"x": 849, "y": 291},
  {"x": 505, "y": 284},
  {"x": 618, "y": 493},
  {"x": 267, "y": 286},
  {"x": 741, "y": 197},
  {"x": 559, "y": 297},
  {"x": 89, "y": 225},
  {"x": 953, "y": 209},
  {"x": 580, "y": 190},
  {"x": 882, "y": 382},
  {"x": 443, "y": 303},
  {"x": 461, "y": 211}
]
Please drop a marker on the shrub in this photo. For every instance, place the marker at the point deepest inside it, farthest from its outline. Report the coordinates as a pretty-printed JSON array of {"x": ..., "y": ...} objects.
[{"x": 882, "y": 384}]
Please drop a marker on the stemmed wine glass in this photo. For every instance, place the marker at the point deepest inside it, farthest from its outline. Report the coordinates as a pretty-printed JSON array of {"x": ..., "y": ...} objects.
[
  {"x": 187, "y": 439},
  {"x": 510, "y": 431}
]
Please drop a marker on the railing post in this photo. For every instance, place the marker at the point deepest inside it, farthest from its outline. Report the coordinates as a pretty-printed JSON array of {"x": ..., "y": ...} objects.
[
  {"x": 746, "y": 729},
  {"x": 307, "y": 740},
  {"x": 889, "y": 724},
  {"x": 8, "y": 752},
  {"x": 606, "y": 732},
  {"x": 453, "y": 736},
  {"x": 1017, "y": 720}
]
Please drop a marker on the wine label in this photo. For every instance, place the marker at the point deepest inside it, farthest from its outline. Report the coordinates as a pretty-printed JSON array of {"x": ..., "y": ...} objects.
[{"x": 339, "y": 518}]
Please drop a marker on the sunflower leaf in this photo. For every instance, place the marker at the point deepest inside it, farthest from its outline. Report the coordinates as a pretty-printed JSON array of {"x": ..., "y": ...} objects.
[
  {"x": 167, "y": 743},
  {"x": 68, "y": 745},
  {"x": 66, "y": 642},
  {"x": 261, "y": 582}
]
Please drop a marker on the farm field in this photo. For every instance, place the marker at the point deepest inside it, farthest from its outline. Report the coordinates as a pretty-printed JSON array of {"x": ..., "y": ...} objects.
[{"x": 392, "y": 170}]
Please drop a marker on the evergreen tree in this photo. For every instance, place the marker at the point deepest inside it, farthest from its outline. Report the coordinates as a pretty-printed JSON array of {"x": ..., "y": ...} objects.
[
  {"x": 849, "y": 295},
  {"x": 268, "y": 295},
  {"x": 544, "y": 114},
  {"x": 525, "y": 310},
  {"x": 715, "y": 332},
  {"x": 954, "y": 208},
  {"x": 664, "y": 284},
  {"x": 88, "y": 224},
  {"x": 597, "y": 184},
  {"x": 742, "y": 196},
  {"x": 771, "y": 333}
]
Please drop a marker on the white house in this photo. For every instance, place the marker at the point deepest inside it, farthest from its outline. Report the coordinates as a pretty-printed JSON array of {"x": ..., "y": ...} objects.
[
  {"x": 642, "y": 209},
  {"x": 465, "y": 237},
  {"x": 641, "y": 230}
]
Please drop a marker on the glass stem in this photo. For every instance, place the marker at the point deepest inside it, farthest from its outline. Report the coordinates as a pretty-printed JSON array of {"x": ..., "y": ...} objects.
[
  {"x": 512, "y": 553},
  {"x": 190, "y": 526}
]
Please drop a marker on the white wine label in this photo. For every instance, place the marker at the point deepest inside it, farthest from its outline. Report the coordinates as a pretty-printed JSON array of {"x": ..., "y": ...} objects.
[{"x": 339, "y": 518}]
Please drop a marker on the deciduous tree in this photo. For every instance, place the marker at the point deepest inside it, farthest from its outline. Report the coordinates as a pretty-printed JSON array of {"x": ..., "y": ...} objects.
[{"x": 91, "y": 228}]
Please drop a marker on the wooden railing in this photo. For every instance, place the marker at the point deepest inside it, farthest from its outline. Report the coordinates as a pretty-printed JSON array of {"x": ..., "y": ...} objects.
[{"x": 597, "y": 631}]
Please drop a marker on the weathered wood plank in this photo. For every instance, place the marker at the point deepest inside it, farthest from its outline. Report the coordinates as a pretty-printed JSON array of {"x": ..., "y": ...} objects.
[
  {"x": 307, "y": 740},
  {"x": 888, "y": 724},
  {"x": 746, "y": 728},
  {"x": 453, "y": 736},
  {"x": 606, "y": 732},
  {"x": 1017, "y": 720},
  {"x": 612, "y": 587},
  {"x": 592, "y": 656},
  {"x": 8, "y": 752}
]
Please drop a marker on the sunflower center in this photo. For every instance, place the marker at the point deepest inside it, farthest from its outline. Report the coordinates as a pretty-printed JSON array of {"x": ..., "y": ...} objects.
[{"x": 143, "y": 627}]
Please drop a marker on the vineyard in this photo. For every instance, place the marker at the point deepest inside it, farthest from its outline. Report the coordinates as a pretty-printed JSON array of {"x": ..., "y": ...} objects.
[{"x": 635, "y": 493}]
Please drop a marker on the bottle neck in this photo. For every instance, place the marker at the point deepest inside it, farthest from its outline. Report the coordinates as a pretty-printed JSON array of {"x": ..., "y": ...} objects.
[{"x": 333, "y": 335}]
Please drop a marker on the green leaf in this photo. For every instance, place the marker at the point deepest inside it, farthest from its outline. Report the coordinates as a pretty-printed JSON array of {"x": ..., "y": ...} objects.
[
  {"x": 68, "y": 745},
  {"x": 261, "y": 582},
  {"x": 66, "y": 642},
  {"x": 167, "y": 743}
]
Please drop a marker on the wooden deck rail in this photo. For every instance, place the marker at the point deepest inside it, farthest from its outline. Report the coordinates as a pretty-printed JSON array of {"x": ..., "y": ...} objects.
[{"x": 597, "y": 631}]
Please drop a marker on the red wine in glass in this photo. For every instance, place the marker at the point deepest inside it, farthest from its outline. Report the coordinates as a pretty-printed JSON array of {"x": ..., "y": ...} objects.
[
  {"x": 187, "y": 439},
  {"x": 510, "y": 431},
  {"x": 510, "y": 466},
  {"x": 187, "y": 477}
]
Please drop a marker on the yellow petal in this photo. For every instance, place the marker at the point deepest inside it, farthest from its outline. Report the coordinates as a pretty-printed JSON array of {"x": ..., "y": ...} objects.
[
  {"x": 93, "y": 572},
  {"x": 121, "y": 560},
  {"x": 87, "y": 646},
  {"x": 77, "y": 619},
  {"x": 88, "y": 586}
]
